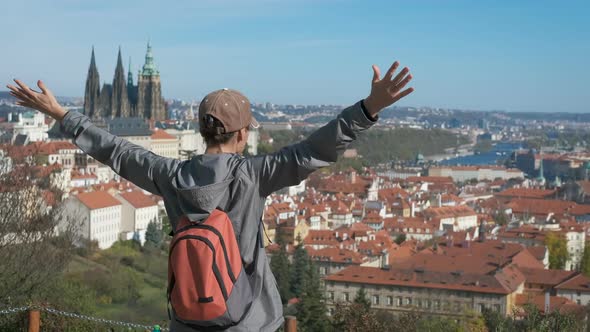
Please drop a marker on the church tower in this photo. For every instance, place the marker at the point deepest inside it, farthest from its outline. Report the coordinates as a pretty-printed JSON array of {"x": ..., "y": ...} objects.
[
  {"x": 92, "y": 91},
  {"x": 119, "y": 100},
  {"x": 150, "y": 103}
]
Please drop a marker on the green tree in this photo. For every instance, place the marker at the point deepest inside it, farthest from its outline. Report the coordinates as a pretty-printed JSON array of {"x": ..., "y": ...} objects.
[
  {"x": 355, "y": 317},
  {"x": 281, "y": 269},
  {"x": 558, "y": 254},
  {"x": 585, "y": 265},
  {"x": 400, "y": 238},
  {"x": 265, "y": 148},
  {"x": 311, "y": 310},
  {"x": 438, "y": 324},
  {"x": 300, "y": 268},
  {"x": 500, "y": 218},
  {"x": 409, "y": 320},
  {"x": 362, "y": 299},
  {"x": 495, "y": 321},
  {"x": 153, "y": 234}
]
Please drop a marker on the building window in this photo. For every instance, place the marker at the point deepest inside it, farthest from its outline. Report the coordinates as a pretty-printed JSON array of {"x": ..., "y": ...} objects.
[
  {"x": 481, "y": 307},
  {"x": 398, "y": 301},
  {"x": 436, "y": 304},
  {"x": 497, "y": 307},
  {"x": 331, "y": 295},
  {"x": 346, "y": 297},
  {"x": 375, "y": 299}
]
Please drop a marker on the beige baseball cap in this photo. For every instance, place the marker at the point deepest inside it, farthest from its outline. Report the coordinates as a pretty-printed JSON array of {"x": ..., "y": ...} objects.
[{"x": 230, "y": 107}]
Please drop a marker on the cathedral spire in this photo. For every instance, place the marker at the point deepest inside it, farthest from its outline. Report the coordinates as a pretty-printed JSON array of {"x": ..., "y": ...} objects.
[
  {"x": 92, "y": 61},
  {"x": 120, "y": 102},
  {"x": 92, "y": 90}
]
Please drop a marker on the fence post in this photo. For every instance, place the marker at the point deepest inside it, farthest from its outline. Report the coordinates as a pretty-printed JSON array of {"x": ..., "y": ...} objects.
[
  {"x": 290, "y": 324},
  {"x": 34, "y": 320}
]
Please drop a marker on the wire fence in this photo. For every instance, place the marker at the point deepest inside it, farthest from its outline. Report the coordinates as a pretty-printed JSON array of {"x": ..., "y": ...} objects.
[{"x": 16, "y": 319}]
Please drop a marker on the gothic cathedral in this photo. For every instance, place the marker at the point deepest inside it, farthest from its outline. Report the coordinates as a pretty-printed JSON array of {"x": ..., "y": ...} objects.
[{"x": 124, "y": 99}]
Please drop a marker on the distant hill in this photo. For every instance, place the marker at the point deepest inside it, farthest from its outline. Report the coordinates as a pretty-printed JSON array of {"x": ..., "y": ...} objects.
[{"x": 5, "y": 95}]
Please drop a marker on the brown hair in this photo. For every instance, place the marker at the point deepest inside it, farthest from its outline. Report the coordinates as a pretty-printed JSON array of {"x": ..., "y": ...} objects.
[{"x": 212, "y": 131}]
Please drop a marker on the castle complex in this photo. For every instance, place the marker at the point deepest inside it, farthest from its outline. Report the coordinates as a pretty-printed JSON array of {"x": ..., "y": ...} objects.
[{"x": 122, "y": 98}]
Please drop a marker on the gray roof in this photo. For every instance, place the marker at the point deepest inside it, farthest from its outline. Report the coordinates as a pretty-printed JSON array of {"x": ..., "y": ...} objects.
[
  {"x": 373, "y": 205},
  {"x": 179, "y": 125},
  {"x": 128, "y": 127}
]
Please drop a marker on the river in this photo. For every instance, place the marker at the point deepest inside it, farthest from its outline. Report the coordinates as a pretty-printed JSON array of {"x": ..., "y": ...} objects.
[{"x": 499, "y": 152}]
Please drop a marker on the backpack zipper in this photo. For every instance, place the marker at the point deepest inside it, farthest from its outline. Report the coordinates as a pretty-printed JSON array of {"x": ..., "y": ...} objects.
[
  {"x": 216, "y": 271},
  {"x": 221, "y": 241}
]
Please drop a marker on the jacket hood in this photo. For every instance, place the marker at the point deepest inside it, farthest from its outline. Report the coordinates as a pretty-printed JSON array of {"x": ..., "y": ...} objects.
[{"x": 203, "y": 184}]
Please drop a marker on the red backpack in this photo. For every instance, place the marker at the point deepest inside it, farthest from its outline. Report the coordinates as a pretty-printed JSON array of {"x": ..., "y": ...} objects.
[{"x": 207, "y": 283}]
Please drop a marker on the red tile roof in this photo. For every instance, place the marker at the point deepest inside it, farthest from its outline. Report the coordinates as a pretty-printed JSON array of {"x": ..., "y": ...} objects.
[
  {"x": 121, "y": 185},
  {"x": 544, "y": 207},
  {"x": 577, "y": 283},
  {"x": 527, "y": 193},
  {"x": 77, "y": 175},
  {"x": 38, "y": 148},
  {"x": 320, "y": 237},
  {"x": 138, "y": 199},
  {"x": 398, "y": 224},
  {"x": 161, "y": 134},
  {"x": 97, "y": 200},
  {"x": 400, "y": 253},
  {"x": 555, "y": 302},
  {"x": 550, "y": 278},
  {"x": 502, "y": 282},
  {"x": 537, "y": 251},
  {"x": 336, "y": 255},
  {"x": 392, "y": 193},
  {"x": 449, "y": 212},
  {"x": 478, "y": 257}
]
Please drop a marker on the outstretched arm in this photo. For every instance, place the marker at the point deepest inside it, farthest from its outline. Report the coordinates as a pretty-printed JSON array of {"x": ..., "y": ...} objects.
[
  {"x": 294, "y": 163},
  {"x": 136, "y": 164}
]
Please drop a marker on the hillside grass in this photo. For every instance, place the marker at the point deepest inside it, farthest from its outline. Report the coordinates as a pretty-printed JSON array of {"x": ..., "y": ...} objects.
[{"x": 129, "y": 282}]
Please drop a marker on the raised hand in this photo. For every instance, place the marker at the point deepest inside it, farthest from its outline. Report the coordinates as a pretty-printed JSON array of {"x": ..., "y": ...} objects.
[
  {"x": 386, "y": 91},
  {"x": 43, "y": 101}
]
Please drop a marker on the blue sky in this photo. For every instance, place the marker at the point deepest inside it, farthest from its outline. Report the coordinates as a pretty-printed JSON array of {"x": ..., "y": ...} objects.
[{"x": 487, "y": 55}]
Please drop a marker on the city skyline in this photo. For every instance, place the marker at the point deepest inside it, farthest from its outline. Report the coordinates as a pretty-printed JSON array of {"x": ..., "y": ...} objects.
[{"x": 521, "y": 57}]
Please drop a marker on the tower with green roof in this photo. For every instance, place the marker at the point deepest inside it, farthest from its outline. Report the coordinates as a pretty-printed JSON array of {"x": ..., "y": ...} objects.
[{"x": 150, "y": 103}]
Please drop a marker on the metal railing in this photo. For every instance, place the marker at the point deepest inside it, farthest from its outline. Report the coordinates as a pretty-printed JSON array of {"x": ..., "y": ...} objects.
[{"x": 34, "y": 319}]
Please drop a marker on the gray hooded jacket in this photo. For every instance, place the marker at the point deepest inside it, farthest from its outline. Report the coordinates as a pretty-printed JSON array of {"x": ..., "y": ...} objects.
[{"x": 235, "y": 184}]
